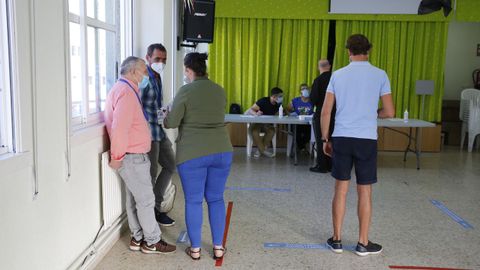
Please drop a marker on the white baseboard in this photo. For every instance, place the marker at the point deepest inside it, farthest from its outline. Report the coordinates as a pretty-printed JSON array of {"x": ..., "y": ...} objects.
[{"x": 92, "y": 256}]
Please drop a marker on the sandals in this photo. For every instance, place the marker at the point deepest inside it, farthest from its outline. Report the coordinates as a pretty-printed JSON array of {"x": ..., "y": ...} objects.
[
  {"x": 224, "y": 249},
  {"x": 189, "y": 252}
]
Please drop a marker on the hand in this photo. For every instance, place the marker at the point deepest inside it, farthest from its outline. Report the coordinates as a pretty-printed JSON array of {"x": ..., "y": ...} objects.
[
  {"x": 169, "y": 106},
  {"x": 161, "y": 115},
  {"x": 327, "y": 148},
  {"x": 259, "y": 113},
  {"x": 115, "y": 164}
]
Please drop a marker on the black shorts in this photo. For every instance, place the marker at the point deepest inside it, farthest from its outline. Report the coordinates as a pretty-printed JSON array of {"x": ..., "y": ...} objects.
[{"x": 354, "y": 151}]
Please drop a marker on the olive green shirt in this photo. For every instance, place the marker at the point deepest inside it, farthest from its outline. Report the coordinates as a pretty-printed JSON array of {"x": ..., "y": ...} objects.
[{"x": 198, "y": 111}]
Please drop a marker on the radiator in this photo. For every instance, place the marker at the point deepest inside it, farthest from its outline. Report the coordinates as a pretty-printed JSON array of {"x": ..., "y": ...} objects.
[{"x": 113, "y": 193}]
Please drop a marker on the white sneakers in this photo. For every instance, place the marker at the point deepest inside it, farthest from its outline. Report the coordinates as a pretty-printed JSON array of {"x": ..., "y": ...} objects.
[{"x": 266, "y": 153}]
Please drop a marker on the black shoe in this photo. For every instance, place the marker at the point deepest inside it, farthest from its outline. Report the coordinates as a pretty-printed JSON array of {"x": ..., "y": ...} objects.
[
  {"x": 335, "y": 245},
  {"x": 369, "y": 249},
  {"x": 318, "y": 169},
  {"x": 164, "y": 220}
]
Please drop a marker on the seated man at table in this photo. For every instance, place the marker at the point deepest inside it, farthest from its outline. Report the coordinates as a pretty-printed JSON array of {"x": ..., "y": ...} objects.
[
  {"x": 265, "y": 106},
  {"x": 302, "y": 106}
]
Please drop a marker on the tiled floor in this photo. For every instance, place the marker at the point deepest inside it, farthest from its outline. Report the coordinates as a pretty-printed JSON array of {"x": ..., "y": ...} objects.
[{"x": 413, "y": 231}]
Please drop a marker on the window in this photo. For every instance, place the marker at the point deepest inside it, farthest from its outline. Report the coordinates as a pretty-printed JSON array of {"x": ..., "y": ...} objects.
[
  {"x": 6, "y": 130},
  {"x": 94, "y": 50}
]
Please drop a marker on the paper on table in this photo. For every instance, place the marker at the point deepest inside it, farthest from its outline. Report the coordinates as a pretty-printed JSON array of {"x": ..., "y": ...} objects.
[{"x": 395, "y": 119}]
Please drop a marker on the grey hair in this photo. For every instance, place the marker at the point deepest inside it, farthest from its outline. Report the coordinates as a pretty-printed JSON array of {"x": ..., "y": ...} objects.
[{"x": 130, "y": 64}]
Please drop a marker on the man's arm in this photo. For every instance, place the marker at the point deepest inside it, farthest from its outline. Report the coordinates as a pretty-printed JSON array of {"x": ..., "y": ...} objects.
[
  {"x": 314, "y": 94},
  {"x": 122, "y": 121},
  {"x": 290, "y": 107},
  {"x": 387, "y": 110},
  {"x": 148, "y": 103},
  {"x": 325, "y": 121},
  {"x": 254, "y": 110}
]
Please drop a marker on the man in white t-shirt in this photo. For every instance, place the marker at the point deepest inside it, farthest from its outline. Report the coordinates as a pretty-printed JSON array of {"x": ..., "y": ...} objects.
[{"x": 355, "y": 90}]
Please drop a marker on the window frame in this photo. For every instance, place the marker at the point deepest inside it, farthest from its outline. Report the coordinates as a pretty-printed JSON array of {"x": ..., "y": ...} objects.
[
  {"x": 7, "y": 137},
  {"x": 87, "y": 119}
]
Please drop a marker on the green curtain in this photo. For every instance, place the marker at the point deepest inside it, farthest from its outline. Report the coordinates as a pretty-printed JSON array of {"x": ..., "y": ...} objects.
[
  {"x": 320, "y": 10},
  {"x": 407, "y": 51},
  {"x": 467, "y": 11},
  {"x": 250, "y": 56}
]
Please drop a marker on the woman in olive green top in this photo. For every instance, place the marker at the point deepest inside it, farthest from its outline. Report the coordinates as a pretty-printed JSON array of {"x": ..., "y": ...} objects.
[{"x": 204, "y": 152}]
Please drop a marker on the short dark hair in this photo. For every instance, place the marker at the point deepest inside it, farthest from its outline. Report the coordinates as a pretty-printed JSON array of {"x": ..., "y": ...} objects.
[
  {"x": 196, "y": 62},
  {"x": 358, "y": 44},
  {"x": 275, "y": 91},
  {"x": 155, "y": 46}
]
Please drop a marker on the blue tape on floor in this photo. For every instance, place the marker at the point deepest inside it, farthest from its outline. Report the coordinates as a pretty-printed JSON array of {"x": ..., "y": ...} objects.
[
  {"x": 259, "y": 189},
  {"x": 302, "y": 246},
  {"x": 451, "y": 214},
  {"x": 295, "y": 246},
  {"x": 183, "y": 237}
]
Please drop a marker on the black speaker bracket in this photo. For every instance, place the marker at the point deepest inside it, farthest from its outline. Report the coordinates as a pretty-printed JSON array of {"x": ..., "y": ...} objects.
[
  {"x": 194, "y": 45},
  {"x": 181, "y": 44}
]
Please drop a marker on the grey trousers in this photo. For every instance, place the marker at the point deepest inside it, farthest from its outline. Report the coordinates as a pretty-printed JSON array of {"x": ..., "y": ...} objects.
[
  {"x": 161, "y": 154},
  {"x": 135, "y": 172}
]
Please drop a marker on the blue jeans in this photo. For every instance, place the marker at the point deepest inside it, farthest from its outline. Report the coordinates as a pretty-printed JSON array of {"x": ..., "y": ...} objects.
[{"x": 205, "y": 177}]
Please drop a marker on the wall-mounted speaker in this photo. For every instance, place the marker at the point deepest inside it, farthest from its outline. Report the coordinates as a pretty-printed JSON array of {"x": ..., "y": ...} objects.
[{"x": 198, "y": 21}]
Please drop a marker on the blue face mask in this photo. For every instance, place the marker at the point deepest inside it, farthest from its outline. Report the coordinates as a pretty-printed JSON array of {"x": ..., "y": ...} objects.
[
  {"x": 305, "y": 93},
  {"x": 143, "y": 83}
]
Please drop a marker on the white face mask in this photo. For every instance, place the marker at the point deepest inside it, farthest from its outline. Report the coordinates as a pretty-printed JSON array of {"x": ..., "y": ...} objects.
[
  {"x": 279, "y": 100},
  {"x": 305, "y": 93},
  {"x": 158, "y": 67},
  {"x": 186, "y": 80}
]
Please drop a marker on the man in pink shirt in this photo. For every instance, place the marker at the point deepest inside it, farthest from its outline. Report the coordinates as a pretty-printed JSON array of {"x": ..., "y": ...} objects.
[{"x": 129, "y": 144}]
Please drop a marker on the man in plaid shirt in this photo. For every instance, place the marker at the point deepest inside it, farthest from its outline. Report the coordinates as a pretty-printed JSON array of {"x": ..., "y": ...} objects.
[{"x": 161, "y": 152}]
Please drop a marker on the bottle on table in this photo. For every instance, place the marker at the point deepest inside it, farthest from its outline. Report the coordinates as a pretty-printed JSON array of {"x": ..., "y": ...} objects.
[
  {"x": 405, "y": 116},
  {"x": 280, "y": 111}
]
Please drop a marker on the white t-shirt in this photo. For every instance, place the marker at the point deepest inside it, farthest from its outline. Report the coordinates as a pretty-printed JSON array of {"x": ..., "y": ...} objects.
[{"x": 357, "y": 89}]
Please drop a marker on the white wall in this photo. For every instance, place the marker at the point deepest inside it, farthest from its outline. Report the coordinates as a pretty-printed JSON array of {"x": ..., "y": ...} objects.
[
  {"x": 461, "y": 58},
  {"x": 148, "y": 25},
  {"x": 153, "y": 24},
  {"x": 53, "y": 230}
]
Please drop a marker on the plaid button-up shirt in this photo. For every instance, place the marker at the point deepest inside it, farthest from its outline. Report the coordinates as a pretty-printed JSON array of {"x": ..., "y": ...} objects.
[{"x": 152, "y": 102}]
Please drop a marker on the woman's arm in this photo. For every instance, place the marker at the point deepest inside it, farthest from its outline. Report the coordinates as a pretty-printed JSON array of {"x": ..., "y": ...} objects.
[{"x": 175, "y": 116}]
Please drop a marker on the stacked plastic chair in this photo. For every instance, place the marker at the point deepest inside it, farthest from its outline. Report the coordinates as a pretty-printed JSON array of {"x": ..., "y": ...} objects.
[{"x": 470, "y": 116}]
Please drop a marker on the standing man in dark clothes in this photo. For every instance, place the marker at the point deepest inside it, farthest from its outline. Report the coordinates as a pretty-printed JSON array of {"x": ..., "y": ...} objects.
[{"x": 319, "y": 88}]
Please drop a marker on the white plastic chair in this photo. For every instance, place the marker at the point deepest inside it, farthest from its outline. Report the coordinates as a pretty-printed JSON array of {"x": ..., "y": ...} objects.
[
  {"x": 250, "y": 140},
  {"x": 464, "y": 113},
  {"x": 474, "y": 122},
  {"x": 312, "y": 141}
]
